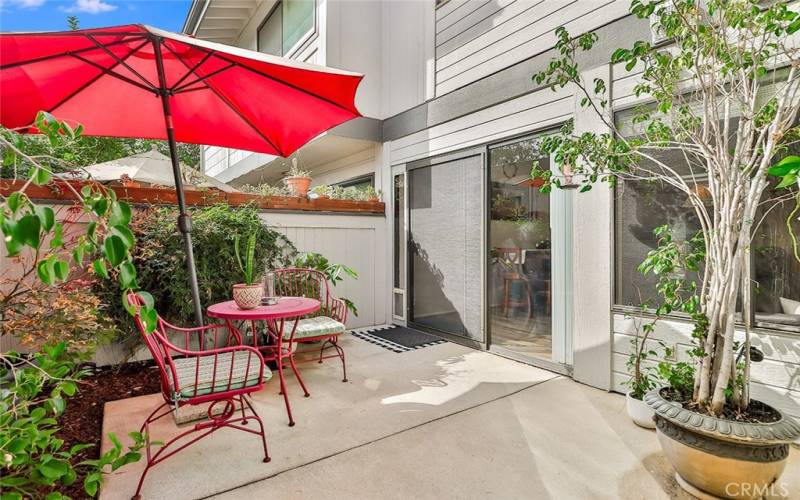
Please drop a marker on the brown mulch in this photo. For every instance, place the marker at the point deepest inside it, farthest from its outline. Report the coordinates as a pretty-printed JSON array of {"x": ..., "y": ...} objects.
[{"x": 82, "y": 422}]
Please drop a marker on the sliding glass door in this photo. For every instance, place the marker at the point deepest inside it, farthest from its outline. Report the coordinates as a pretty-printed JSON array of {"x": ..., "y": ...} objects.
[
  {"x": 527, "y": 255},
  {"x": 487, "y": 255},
  {"x": 445, "y": 245}
]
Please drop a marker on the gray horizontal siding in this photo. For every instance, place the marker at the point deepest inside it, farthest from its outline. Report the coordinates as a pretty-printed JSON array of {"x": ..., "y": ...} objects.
[
  {"x": 534, "y": 111},
  {"x": 475, "y": 39}
]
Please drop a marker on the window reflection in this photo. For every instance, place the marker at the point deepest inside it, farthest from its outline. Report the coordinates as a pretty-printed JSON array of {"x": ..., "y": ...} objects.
[
  {"x": 641, "y": 206},
  {"x": 520, "y": 283},
  {"x": 775, "y": 271}
]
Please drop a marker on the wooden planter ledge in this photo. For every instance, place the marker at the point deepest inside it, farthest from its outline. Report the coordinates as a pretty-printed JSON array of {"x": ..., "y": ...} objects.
[{"x": 58, "y": 191}]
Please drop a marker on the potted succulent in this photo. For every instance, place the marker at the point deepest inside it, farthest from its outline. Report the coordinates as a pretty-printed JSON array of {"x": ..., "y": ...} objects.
[
  {"x": 722, "y": 97},
  {"x": 297, "y": 180},
  {"x": 323, "y": 191},
  {"x": 247, "y": 295},
  {"x": 370, "y": 194}
]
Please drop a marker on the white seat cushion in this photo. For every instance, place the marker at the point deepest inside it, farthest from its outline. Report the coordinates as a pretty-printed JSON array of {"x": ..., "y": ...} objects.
[{"x": 313, "y": 327}]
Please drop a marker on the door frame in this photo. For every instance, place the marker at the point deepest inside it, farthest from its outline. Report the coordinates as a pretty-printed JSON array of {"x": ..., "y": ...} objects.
[
  {"x": 432, "y": 161},
  {"x": 561, "y": 227},
  {"x": 561, "y": 244},
  {"x": 396, "y": 171}
]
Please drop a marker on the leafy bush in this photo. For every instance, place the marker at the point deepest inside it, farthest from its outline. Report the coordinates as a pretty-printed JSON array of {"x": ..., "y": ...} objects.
[
  {"x": 352, "y": 193},
  {"x": 159, "y": 259},
  {"x": 333, "y": 272},
  {"x": 34, "y": 388},
  {"x": 34, "y": 462},
  {"x": 67, "y": 313},
  {"x": 265, "y": 190}
]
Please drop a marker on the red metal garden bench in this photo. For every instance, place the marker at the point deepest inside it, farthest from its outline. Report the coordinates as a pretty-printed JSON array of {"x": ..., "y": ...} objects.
[
  {"x": 199, "y": 372},
  {"x": 325, "y": 325}
]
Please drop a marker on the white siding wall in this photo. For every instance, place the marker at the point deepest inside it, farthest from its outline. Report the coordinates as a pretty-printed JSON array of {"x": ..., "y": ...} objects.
[
  {"x": 408, "y": 55},
  {"x": 535, "y": 111},
  {"x": 356, "y": 165},
  {"x": 215, "y": 160},
  {"x": 475, "y": 38},
  {"x": 776, "y": 380},
  {"x": 391, "y": 43},
  {"x": 356, "y": 241},
  {"x": 311, "y": 52}
]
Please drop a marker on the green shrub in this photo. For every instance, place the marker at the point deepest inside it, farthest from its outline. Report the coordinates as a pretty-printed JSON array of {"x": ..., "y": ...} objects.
[
  {"x": 160, "y": 259},
  {"x": 35, "y": 388}
]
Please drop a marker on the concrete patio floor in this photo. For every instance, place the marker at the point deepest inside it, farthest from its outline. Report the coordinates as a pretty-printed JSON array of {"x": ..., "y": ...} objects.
[{"x": 440, "y": 422}]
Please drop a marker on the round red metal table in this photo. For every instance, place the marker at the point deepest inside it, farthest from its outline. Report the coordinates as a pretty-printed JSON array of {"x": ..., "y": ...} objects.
[{"x": 280, "y": 348}]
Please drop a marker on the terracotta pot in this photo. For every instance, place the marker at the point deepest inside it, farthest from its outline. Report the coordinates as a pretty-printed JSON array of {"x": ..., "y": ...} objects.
[
  {"x": 640, "y": 413},
  {"x": 248, "y": 296},
  {"x": 722, "y": 458},
  {"x": 298, "y": 185}
]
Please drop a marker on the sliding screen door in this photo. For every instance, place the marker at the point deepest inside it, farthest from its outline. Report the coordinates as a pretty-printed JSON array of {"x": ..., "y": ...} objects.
[{"x": 445, "y": 246}]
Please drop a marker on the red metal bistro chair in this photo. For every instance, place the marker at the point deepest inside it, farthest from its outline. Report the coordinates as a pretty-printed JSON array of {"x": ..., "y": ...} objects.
[
  {"x": 201, "y": 374},
  {"x": 327, "y": 324}
]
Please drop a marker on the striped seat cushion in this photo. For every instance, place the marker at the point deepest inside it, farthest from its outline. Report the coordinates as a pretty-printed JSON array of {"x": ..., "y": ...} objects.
[
  {"x": 208, "y": 382},
  {"x": 313, "y": 327}
]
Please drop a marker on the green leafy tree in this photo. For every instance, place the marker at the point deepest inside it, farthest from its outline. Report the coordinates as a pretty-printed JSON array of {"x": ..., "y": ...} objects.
[
  {"x": 83, "y": 151},
  {"x": 724, "y": 95},
  {"x": 34, "y": 389}
]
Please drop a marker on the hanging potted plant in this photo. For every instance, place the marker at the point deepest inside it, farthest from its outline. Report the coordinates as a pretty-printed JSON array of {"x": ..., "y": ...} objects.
[
  {"x": 247, "y": 295},
  {"x": 724, "y": 99},
  {"x": 297, "y": 180}
]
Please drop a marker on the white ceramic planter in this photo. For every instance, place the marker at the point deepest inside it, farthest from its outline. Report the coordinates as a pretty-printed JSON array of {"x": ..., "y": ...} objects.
[
  {"x": 248, "y": 296},
  {"x": 640, "y": 413}
]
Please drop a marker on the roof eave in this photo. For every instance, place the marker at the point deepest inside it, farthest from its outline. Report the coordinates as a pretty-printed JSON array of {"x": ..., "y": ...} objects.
[{"x": 194, "y": 16}]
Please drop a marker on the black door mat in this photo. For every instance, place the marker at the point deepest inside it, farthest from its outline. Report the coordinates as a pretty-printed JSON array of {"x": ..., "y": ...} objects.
[{"x": 398, "y": 338}]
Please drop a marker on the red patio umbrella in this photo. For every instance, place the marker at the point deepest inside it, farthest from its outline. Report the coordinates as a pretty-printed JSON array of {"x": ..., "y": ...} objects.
[{"x": 142, "y": 82}]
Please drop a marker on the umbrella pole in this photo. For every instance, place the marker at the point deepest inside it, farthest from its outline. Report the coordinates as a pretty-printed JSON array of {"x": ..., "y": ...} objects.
[{"x": 184, "y": 219}]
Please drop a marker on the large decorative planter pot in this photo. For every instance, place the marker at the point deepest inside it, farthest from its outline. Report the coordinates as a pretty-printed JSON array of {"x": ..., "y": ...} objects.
[
  {"x": 298, "y": 186},
  {"x": 714, "y": 457},
  {"x": 640, "y": 413},
  {"x": 248, "y": 296}
]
